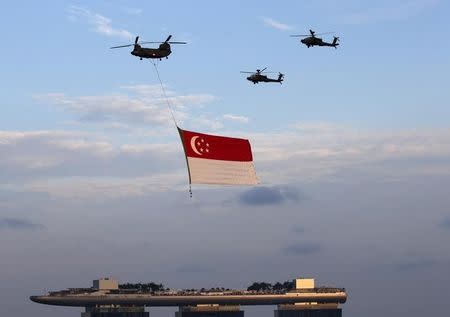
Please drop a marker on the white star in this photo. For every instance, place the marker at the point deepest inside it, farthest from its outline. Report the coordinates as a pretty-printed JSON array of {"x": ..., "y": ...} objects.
[
  {"x": 203, "y": 141},
  {"x": 207, "y": 144},
  {"x": 207, "y": 150},
  {"x": 201, "y": 150},
  {"x": 198, "y": 143}
]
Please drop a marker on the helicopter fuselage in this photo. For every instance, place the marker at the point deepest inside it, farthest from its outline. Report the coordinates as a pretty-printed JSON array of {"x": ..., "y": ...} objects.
[
  {"x": 316, "y": 41},
  {"x": 144, "y": 52},
  {"x": 256, "y": 78}
]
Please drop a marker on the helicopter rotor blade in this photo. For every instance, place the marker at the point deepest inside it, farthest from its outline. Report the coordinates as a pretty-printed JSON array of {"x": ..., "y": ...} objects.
[
  {"x": 122, "y": 46},
  {"x": 147, "y": 42},
  {"x": 263, "y": 69},
  {"x": 307, "y": 35},
  {"x": 168, "y": 38},
  {"x": 151, "y": 42},
  {"x": 136, "y": 40},
  {"x": 260, "y": 72}
]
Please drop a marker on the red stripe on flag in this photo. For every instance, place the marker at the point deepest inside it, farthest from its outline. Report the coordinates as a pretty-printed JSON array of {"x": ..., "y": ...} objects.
[{"x": 214, "y": 147}]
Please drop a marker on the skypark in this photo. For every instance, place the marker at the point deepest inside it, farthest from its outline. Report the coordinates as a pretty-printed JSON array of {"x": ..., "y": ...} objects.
[{"x": 106, "y": 296}]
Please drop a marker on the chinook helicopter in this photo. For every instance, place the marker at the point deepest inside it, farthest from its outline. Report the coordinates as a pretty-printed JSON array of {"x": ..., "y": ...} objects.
[
  {"x": 155, "y": 53},
  {"x": 312, "y": 40},
  {"x": 258, "y": 76}
]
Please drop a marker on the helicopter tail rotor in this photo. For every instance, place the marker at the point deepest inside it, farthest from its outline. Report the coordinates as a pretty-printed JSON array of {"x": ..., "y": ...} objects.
[{"x": 335, "y": 41}]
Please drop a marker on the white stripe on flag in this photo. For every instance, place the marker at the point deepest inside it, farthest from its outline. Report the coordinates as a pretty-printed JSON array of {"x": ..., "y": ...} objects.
[{"x": 206, "y": 171}]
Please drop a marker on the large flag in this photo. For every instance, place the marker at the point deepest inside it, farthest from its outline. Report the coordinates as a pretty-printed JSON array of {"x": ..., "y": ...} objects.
[{"x": 214, "y": 159}]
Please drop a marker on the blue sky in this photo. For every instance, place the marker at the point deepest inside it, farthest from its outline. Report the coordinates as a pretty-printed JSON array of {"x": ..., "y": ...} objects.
[
  {"x": 353, "y": 150},
  {"x": 63, "y": 49}
]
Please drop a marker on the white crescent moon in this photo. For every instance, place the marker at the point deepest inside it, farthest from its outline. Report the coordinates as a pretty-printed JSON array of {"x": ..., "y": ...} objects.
[{"x": 194, "y": 138}]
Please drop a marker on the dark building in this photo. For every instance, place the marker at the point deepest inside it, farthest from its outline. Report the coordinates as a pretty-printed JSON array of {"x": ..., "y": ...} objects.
[
  {"x": 316, "y": 310},
  {"x": 210, "y": 311},
  {"x": 121, "y": 311}
]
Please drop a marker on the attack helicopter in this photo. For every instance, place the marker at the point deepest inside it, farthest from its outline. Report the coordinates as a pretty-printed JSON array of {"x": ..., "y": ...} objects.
[
  {"x": 154, "y": 53},
  {"x": 312, "y": 40},
  {"x": 258, "y": 76}
]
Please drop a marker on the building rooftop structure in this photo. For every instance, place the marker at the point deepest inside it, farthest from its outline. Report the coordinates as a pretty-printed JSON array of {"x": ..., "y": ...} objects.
[{"x": 109, "y": 292}]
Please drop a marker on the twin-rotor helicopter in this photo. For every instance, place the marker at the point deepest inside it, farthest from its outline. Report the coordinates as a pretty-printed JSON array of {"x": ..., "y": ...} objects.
[{"x": 164, "y": 50}]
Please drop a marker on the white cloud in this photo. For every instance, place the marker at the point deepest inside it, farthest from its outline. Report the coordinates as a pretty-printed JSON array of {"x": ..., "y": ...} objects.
[
  {"x": 136, "y": 104},
  {"x": 232, "y": 117},
  {"x": 275, "y": 24},
  {"x": 102, "y": 24}
]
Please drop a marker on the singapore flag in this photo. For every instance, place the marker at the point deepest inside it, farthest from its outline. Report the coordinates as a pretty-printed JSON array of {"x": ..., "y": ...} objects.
[{"x": 216, "y": 159}]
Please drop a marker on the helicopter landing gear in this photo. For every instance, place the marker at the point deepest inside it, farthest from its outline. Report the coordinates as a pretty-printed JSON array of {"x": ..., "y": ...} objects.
[{"x": 141, "y": 58}]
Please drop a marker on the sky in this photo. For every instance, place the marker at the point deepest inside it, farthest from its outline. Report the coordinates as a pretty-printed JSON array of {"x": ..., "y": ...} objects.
[{"x": 352, "y": 151}]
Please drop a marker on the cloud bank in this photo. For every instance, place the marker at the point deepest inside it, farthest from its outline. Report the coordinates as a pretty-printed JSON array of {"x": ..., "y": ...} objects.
[{"x": 73, "y": 163}]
